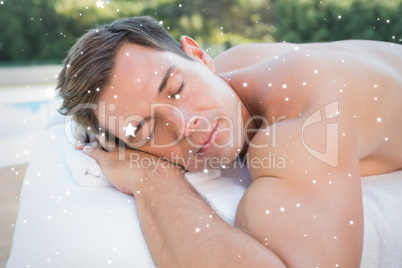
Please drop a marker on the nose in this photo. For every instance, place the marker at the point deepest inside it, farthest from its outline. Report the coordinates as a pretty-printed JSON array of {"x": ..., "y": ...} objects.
[
  {"x": 192, "y": 125},
  {"x": 181, "y": 122},
  {"x": 187, "y": 126}
]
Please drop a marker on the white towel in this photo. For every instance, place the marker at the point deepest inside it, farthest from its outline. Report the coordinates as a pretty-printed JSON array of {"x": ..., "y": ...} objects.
[
  {"x": 225, "y": 192},
  {"x": 62, "y": 224},
  {"x": 382, "y": 199},
  {"x": 223, "y": 189},
  {"x": 85, "y": 169}
]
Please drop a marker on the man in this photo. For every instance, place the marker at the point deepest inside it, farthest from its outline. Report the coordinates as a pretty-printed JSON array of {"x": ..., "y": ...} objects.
[{"x": 327, "y": 111}]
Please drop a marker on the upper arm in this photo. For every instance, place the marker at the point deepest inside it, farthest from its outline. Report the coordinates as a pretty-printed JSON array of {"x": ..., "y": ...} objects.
[
  {"x": 303, "y": 226},
  {"x": 309, "y": 212}
]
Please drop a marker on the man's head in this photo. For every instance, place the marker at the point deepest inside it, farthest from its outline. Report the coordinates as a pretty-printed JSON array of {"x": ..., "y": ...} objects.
[
  {"x": 88, "y": 66},
  {"x": 153, "y": 94}
]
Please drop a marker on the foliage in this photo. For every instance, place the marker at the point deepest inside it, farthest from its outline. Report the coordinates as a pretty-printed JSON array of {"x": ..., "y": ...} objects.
[
  {"x": 39, "y": 30},
  {"x": 314, "y": 21},
  {"x": 28, "y": 33}
]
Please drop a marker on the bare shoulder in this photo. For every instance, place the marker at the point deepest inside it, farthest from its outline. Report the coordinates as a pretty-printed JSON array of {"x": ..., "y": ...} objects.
[
  {"x": 329, "y": 112},
  {"x": 319, "y": 143},
  {"x": 358, "y": 81},
  {"x": 291, "y": 82},
  {"x": 246, "y": 55}
]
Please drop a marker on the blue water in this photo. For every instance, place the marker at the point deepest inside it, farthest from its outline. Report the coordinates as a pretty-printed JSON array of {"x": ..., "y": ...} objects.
[
  {"x": 29, "y": 106},
  {"x": 21, "y": 118},
  {"x": 20, "y": 124}
]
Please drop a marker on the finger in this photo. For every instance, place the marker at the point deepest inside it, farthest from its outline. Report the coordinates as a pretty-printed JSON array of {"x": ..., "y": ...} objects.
[
  {"x": 103, "y": 142},
  {"x": 96, "y": 153},
  {"x": 92, "y": 138},
  {"x": 108, "y": 144},
  {"x": 81, "y": 137},
  {"x": 79, "y": 145}
]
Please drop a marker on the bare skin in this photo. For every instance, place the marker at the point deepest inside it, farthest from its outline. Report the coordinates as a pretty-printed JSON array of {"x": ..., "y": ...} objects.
[
  {"x": 366, "y": 72},
  {"x": 328, "y": 110}
]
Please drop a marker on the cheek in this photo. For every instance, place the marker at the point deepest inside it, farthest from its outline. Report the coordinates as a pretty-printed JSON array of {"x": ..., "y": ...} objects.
[{"x": 170, "y": 123}]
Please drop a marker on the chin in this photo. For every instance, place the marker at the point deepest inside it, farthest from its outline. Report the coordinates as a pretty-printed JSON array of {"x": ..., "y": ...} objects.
[{"x": 221, "y": 159}]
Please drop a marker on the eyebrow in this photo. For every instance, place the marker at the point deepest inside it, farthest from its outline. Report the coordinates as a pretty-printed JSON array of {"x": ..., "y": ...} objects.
[{"x": 166, "y": 78}]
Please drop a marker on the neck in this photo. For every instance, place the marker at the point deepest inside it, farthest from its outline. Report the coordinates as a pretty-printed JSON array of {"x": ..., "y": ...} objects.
[
  {"x": 246, "y": 112},
  {"x": 248, "y": 115},
  {"x": 247, "y": 90}
]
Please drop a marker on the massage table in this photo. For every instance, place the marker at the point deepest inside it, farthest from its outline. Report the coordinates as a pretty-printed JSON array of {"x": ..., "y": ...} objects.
[{"x": 70, "y": 216}]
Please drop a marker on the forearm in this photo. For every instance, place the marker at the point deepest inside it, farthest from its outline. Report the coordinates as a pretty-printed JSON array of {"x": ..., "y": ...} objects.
[{"x": 182, "y": 230}]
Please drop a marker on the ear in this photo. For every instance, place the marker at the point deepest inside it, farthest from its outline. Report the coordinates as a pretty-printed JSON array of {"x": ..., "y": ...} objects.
[{"x": 192, "y": 49}]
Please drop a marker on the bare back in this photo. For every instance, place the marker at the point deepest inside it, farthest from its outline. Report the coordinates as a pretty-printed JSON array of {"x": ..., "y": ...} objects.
[
  {"x": 333, "y": 115},
  {"x": 365, "y": 77}
]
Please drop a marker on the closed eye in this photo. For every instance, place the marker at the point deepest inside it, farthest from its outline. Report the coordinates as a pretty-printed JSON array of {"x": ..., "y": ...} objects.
[
  {"x": 141, "y": 135},
  {"x": 180, "y": 88},
  {"x": 152, "y": 135},
  {"x": 178, "y": 91}
]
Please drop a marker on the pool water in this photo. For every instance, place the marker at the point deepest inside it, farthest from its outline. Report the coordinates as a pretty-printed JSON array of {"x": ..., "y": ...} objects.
[
  {"x": 20, "y": 124},
  {"x": 25, "y": 109}
]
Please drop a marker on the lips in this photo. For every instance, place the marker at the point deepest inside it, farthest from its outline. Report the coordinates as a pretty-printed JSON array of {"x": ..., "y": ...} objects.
[{"x": 209, "y": 139}]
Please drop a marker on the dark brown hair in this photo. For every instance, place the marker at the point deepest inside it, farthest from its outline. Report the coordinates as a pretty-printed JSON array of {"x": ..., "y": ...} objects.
[{"x": 88, "y": 66}]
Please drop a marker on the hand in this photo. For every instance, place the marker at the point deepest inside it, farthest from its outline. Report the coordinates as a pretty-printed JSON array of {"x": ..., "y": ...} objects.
[
  {"x": 84, "y": 136},
  {"x": 128, "y": 173}
]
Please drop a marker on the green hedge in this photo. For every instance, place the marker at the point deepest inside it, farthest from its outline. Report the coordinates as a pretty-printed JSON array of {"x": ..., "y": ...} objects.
[
  {"x": 43, "y": 30},
  {"x": 315, "y": 20}
]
